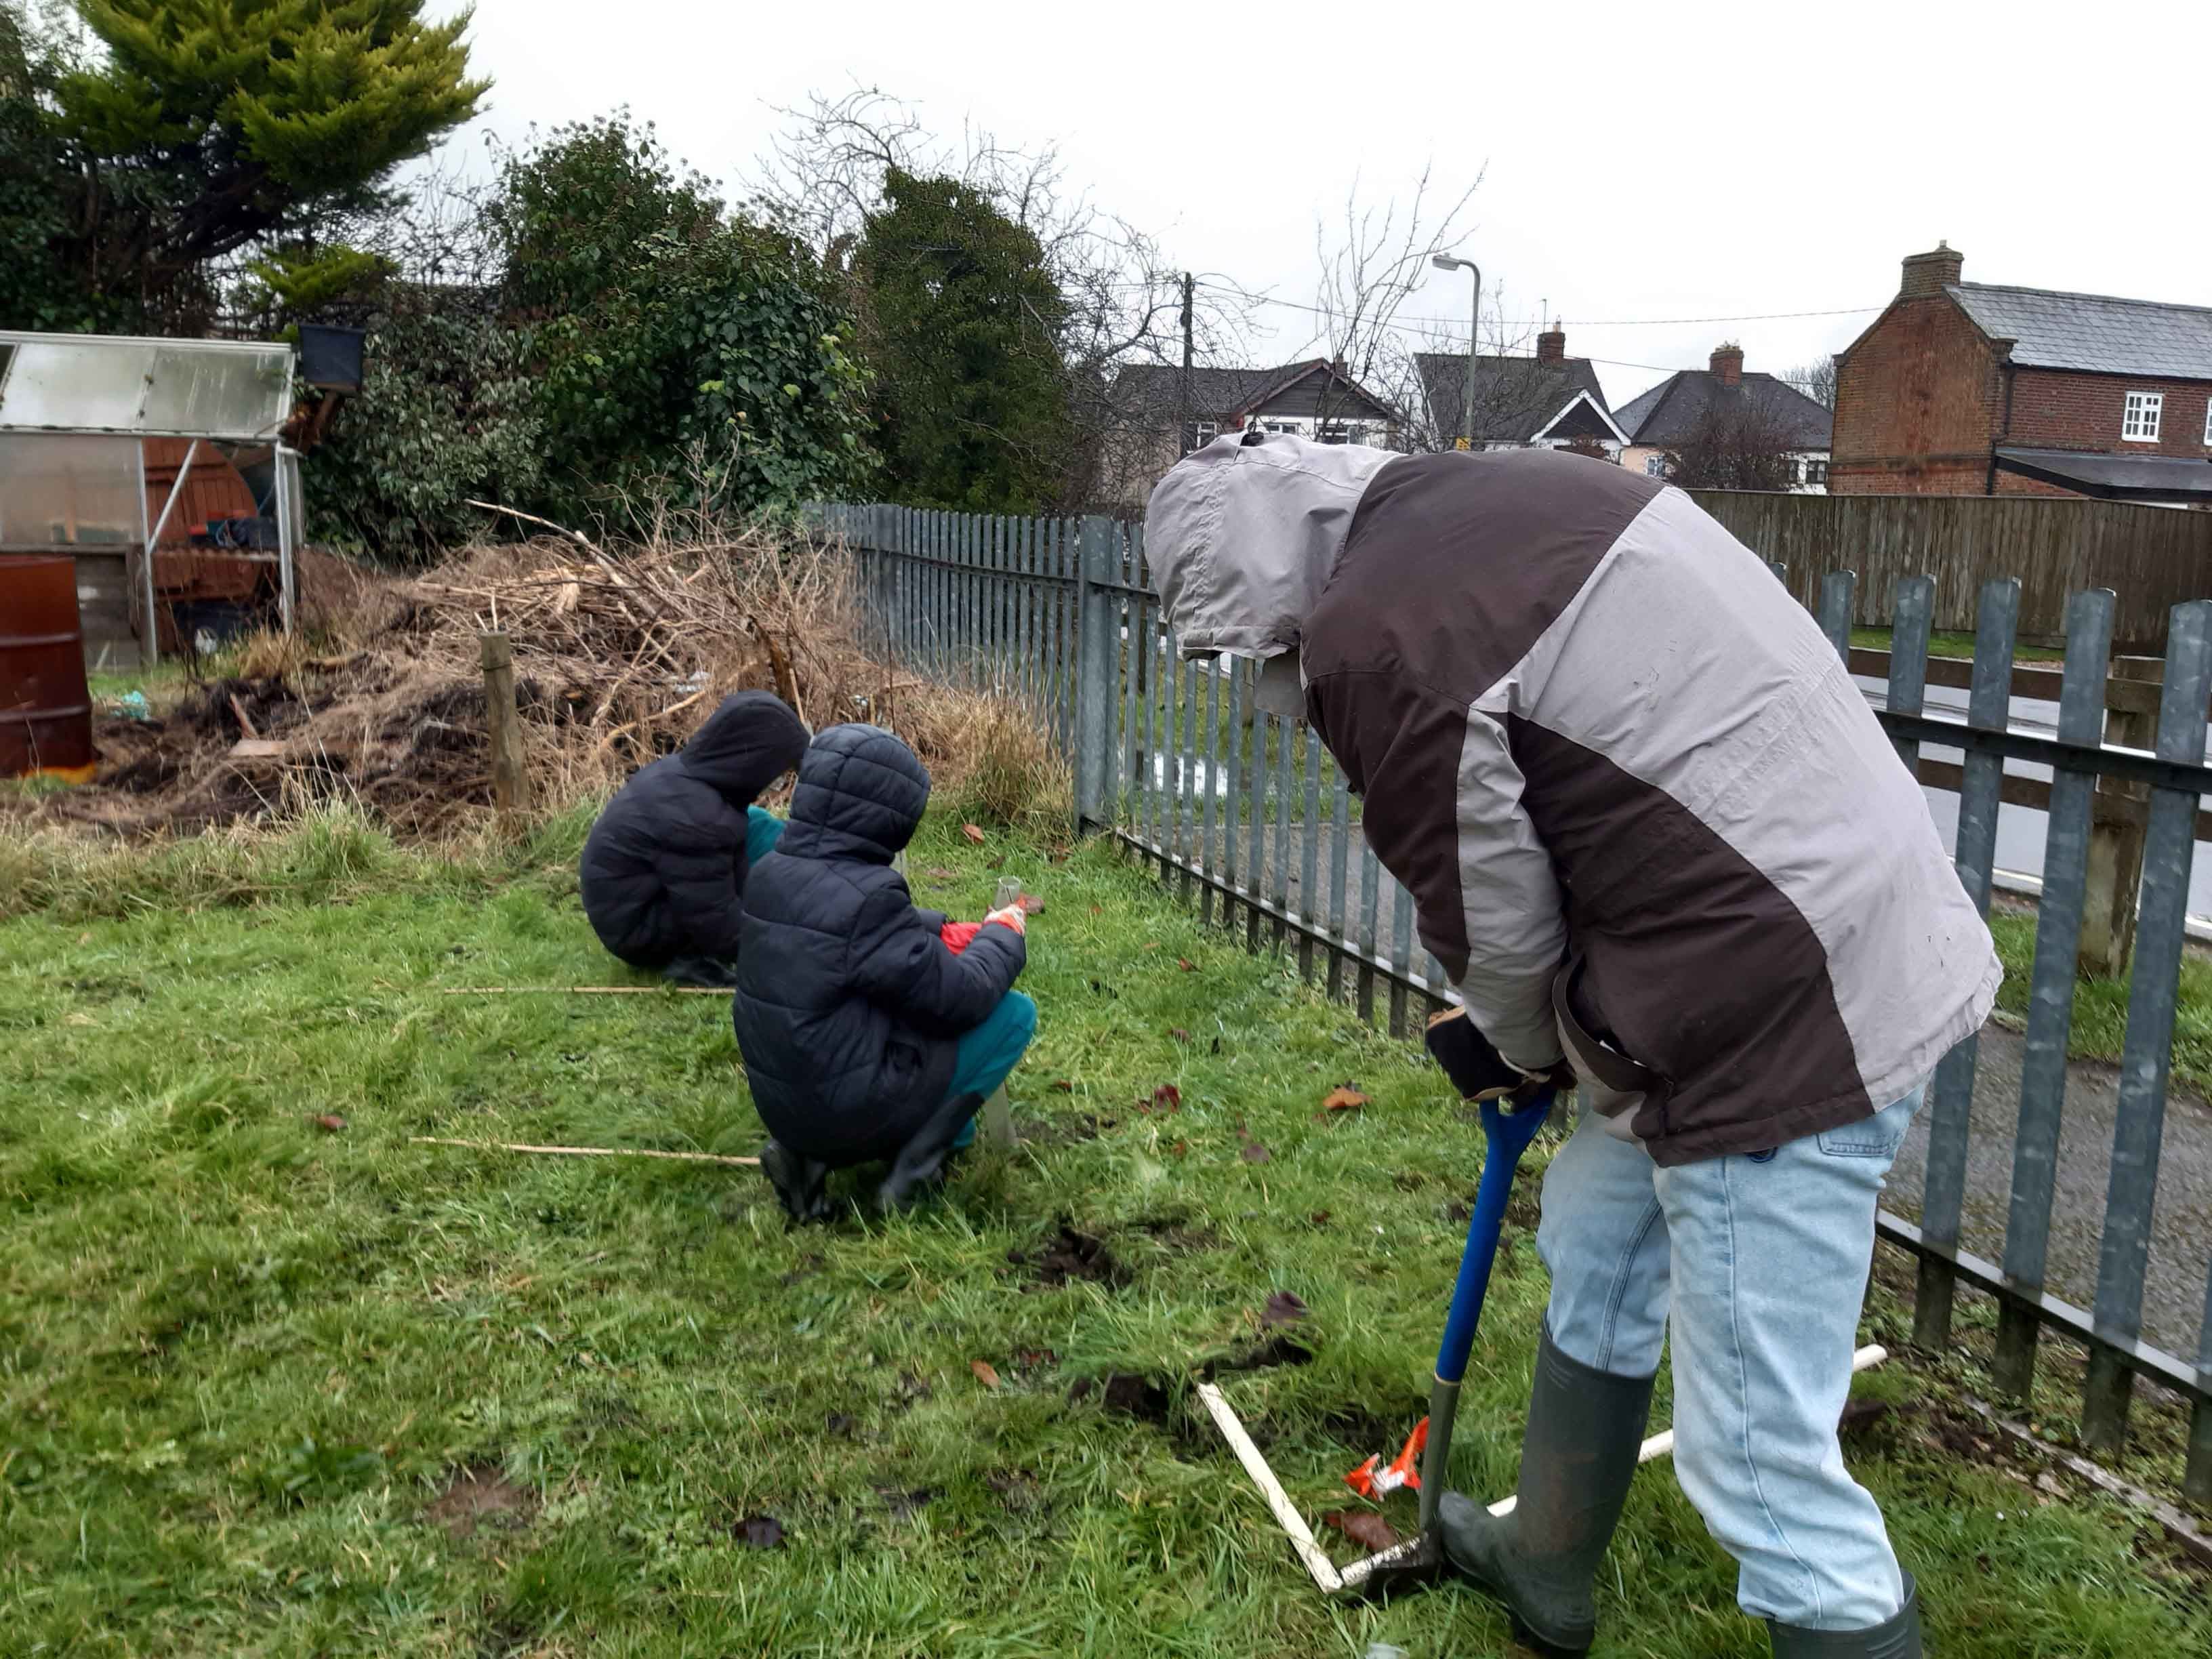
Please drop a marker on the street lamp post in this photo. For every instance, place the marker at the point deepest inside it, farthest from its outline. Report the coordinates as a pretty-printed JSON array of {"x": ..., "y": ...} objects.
[{"x": 1447, "y": 262}]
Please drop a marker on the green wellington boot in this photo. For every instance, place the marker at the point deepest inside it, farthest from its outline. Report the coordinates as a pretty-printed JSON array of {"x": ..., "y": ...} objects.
[
  {"x": 1898, "y": 1639},
  {"x": 1578, "y": 1455}
]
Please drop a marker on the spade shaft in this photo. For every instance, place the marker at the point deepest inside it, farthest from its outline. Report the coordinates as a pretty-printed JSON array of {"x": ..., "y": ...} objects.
[{"x": 1508, "y": 1127}]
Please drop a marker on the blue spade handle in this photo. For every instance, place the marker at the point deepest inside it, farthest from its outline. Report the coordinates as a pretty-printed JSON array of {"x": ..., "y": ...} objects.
[
  {"x": 1508, "y": 1127},
  {"x": 1508, "y": 1133}
]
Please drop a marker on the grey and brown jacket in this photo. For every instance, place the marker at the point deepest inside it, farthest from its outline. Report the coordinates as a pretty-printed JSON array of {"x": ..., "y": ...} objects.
[{"x": 1624, "y": 777}]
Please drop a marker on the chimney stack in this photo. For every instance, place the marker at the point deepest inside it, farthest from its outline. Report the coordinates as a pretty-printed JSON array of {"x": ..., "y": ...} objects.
[
  {"x": 1927, "y": 275},
  {"x": 1552, "y": 345},
  {"x": 1728, "y": 364}
]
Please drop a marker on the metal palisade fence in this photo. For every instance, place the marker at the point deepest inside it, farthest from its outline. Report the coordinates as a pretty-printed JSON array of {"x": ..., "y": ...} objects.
[{"x": 1246, "y": 815}]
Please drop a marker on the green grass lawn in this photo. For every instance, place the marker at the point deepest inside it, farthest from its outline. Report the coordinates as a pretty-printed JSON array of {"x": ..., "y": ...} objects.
[
  {"x": 1953, "y": 645},
  {"x": 245, "y": 1358},
  {"x": 2101, "y": 1005}
]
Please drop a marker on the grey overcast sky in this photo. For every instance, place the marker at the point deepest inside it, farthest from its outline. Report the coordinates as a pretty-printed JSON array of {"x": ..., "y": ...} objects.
[{"x": 1679, "y": 160}]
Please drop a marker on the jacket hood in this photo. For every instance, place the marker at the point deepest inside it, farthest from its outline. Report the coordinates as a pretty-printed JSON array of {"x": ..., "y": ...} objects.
[
  {"x": 860, "y": 794},
  {"x": 746, "y": 745},
  {"x": 1243, "y": 534}
]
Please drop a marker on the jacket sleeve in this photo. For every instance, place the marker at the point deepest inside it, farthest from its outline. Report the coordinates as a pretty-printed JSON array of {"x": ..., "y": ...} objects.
[
  {"x": 900, "y": 963},
  {"x": 1442, "y": 807},
  {"x": 700, "y": 862},
  {"x": 1516, "y": 927}
]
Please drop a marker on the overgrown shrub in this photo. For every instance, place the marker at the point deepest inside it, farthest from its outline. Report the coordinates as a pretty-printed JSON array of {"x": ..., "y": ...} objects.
[{"x": 446, "y": 412}]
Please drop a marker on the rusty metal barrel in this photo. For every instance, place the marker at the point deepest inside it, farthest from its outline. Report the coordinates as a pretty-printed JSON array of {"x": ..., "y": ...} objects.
[{"x": 46, "y": 706}]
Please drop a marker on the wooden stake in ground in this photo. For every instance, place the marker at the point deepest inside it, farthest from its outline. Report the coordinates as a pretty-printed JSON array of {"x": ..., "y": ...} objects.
[
  {"x": 510, "y": 782},
  {"x": 582, "y": 1152}
]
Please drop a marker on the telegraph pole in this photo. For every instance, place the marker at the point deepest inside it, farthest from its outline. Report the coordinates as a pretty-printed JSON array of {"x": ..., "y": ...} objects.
[{"x": 1182, "y": 395}]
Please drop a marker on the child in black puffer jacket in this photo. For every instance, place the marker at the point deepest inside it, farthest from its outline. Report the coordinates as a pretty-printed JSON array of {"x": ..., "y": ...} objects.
[
  {"x": 667, "y": 859},
  {"x": 865, "y": 1037}
]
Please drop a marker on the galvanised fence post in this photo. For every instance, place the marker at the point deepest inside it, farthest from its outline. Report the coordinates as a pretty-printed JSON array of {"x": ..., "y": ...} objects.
[
  {"x": 2051, "y": 993},
  {"x": 2146, "y": 1052},
  {"x": 1096, "y": 608}
]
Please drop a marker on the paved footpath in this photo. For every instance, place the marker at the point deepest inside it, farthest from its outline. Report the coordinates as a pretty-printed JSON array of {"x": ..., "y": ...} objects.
[{"x": 2181, "y": 1228}]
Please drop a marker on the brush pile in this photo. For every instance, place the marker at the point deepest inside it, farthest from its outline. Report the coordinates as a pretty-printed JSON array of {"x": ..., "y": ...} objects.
[{"x": 618, "y": 658}]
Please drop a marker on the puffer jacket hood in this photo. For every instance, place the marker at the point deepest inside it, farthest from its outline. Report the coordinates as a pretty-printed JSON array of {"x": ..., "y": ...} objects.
[
  {"x": 860, "y": 795},
  {"x": 746, "y": 745},
  {"x": 1244, "y": 533}
]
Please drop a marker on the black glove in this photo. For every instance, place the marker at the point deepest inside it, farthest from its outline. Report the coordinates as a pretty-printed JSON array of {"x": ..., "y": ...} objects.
[{"x": 1477, "y": 1070}]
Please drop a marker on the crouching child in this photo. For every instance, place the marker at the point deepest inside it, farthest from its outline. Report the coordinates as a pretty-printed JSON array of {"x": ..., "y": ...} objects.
[
  {"x": 665, "y": 863},
  {"x": 867, "y": 1035}
]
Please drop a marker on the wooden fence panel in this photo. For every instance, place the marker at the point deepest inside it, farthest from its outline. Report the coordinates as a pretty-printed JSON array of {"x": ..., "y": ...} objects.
[{"x": 2153, "y": 558}]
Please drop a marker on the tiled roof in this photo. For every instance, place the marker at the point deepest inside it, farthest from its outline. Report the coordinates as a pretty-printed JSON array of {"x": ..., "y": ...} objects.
[
  {"x": 1515, "y": 397},
  {"x": 1672, "y": 412},
  {"x": 2092, "y": 332},
  {"x": 1216, "y": 393}
]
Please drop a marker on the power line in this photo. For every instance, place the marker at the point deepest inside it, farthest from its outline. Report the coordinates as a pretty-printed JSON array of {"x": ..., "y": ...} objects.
[{"x": 1608, "y": 322}]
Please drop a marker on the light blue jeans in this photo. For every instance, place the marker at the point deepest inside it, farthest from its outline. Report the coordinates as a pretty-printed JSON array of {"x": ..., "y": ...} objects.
[{"x": 1759, "y": 1263}]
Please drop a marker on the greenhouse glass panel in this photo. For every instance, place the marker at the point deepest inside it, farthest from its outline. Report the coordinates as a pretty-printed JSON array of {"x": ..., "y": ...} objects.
[
  {"x": 62, "y": 491},
  {"x": 182, "y": 388}
]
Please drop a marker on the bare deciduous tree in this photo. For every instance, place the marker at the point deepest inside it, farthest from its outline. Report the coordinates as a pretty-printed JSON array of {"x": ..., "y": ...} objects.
[
  {"x": 1743, "y": 443},
  {"x": 1816, "y": 380},
  {"x": 1370, "y": 264}
]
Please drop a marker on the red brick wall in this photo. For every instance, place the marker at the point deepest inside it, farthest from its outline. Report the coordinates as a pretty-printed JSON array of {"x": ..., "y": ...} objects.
[
  {"x": 2055, "y": 410},
  {"x": 1917, "y": 403}
]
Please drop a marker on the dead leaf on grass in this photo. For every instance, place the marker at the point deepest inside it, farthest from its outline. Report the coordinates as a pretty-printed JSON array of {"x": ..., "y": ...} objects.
[
  {"x": 943, "y": 874},
  {"x": 1364, "y": 1528},
  {"x": 1253, "y": 1152},
  {"x": 1179, "y": 1034},
  {"x": 1165, "y": 1098},
  {"x": 328, "y": 1123},
  {"x": 974, "y": 832},
  {"x": 1186, "y": 964},
  {"x": 984, "y": 1374},
  {"x": 1343, "y": 1098},
  {"x": 1060, "y": 1085}
]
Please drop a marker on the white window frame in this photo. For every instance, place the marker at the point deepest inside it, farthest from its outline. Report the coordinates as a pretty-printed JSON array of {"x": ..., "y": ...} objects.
[
  {"x": 2208, "y": 423},
  {"x": 1204, "y": 433},
  {"x": 1816, "y": 472},
  {"x": 1655, "y": 467},
  {"x": 2141, "y": 417}
]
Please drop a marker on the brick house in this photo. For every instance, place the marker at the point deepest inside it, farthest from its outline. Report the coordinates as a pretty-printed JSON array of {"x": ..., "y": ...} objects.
[
  {"x": 1313, "y": 398},
  {"x": 1549, "y": 401},
  {"x": 1975, "y": 389},
  {"x": 1688, "y": 404}
]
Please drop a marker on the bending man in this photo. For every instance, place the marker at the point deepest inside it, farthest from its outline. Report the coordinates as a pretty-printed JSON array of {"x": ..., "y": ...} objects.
[{"x": 1653, "y": 832}]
